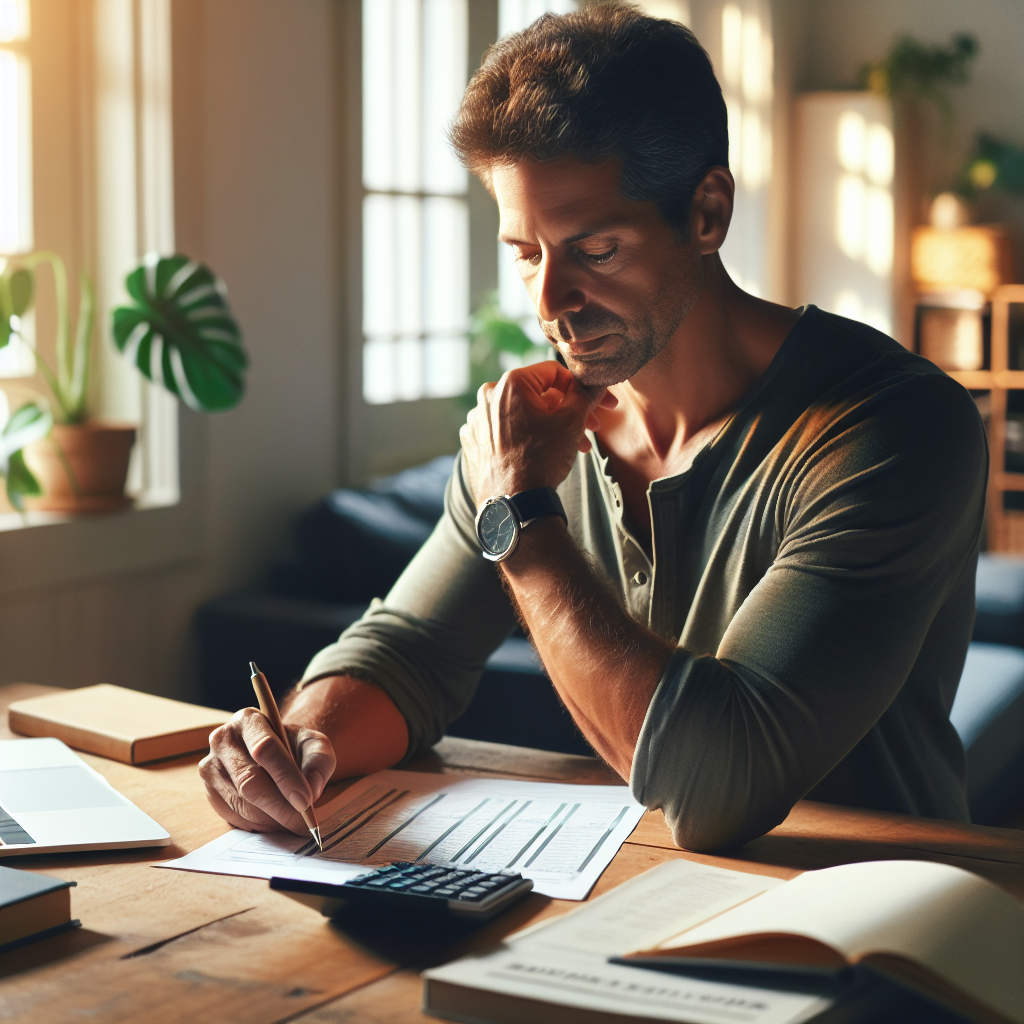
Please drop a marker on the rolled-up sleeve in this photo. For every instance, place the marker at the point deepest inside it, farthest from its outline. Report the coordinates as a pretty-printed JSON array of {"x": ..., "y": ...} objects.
[
  {"x": 878, "y": 527},
  {"x": 427, "y": 642}
]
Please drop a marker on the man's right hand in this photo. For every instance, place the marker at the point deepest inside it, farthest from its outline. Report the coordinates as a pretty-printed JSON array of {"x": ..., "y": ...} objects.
[{"x": 251, "y": 781}]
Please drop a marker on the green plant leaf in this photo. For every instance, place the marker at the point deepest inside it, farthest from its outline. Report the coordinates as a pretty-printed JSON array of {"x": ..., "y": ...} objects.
[
  {"x": 181, "y": 333},
  {"x": 22, "y": 290},
  {"x": 21, "y": 483},
  {"x": 31, "y": 422}
]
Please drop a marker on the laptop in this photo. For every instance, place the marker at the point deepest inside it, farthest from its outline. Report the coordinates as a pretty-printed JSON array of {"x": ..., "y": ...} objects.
[{"x": 51, "y": 801}]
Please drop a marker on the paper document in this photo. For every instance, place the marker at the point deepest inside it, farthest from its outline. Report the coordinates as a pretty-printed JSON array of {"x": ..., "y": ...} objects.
[
  {"x": 561, "y": 836},
  {"x": 564, "y": 961}
]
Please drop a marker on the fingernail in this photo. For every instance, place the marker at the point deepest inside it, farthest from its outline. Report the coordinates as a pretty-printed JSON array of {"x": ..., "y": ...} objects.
[
  {"x": 316, "y": 783},
  {"x": 298, "y": 800}
]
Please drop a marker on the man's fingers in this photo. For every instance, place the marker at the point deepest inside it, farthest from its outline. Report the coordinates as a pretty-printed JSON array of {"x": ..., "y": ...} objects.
[
  {"x": 269, "y": 753},
  {"x": 316, "y": 758},
  {"x": 248, "y": 778},
  {"x": 231, "y": 806}
]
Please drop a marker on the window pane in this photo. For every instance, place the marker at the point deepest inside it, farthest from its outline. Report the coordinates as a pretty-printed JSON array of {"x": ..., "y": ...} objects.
[
  {"x": 405, "y": 111},
  {"x": 445, "y": 43},
  {"x": 516, "y": 14},
  {"x": 378, "y": 371},
  {"x": 445, "y": 265},
  {"x": 377, "y": 94},
  {"x": 408, "y": 264},
  {"x": 409, "y": 369},
  {"x": 378, "y": 265},
  {"x": 15, "y": 155},
  {"x": 446, "y": 366}
]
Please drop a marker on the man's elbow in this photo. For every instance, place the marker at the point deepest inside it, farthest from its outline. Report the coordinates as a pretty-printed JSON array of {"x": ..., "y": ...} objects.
[{"x": 714, "y": 825}]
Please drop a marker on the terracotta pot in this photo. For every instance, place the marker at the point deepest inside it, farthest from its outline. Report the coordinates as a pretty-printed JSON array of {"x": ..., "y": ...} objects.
[{"x": 90, "y": 476}]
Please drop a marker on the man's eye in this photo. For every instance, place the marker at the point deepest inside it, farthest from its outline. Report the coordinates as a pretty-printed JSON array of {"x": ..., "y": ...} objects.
[
  {"x": 600, "y": 257},
  {"x": 524, "y": 256}
]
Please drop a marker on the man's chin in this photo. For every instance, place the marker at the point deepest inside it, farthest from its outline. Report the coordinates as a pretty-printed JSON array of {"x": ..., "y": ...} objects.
[{"x": 598, "y": 372}]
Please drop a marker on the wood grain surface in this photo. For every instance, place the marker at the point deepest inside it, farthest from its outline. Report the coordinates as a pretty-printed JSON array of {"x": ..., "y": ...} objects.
[{"x": 179, "y": 946}]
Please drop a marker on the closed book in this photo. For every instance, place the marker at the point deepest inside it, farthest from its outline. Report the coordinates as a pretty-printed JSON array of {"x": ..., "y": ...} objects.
[
  {"x": 32, "y": 907},
  {"x": 124, "y": 725}
]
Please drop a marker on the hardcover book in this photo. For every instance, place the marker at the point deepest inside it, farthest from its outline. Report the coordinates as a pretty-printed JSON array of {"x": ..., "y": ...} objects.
[{"x": 124, "y": 725}]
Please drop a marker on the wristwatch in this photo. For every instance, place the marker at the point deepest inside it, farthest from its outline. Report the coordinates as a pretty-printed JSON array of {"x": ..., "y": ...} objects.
[{"x": 502, "y": 518}]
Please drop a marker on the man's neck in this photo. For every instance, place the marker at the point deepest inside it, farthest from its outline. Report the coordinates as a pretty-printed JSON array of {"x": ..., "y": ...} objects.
[{"x": 718, "y": 353}]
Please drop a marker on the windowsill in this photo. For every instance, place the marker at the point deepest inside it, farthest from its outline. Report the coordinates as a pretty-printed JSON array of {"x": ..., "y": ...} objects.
[
  {"x": 47, "y": 549},
  {"x": 10, "y": 521}
]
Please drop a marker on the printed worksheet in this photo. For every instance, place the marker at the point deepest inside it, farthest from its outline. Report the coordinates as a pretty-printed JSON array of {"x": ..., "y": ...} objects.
[{"x": 560, "y": 836}]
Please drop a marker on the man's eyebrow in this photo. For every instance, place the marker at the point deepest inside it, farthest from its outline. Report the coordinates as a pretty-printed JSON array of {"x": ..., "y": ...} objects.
[{"x": 571, "y": 240}]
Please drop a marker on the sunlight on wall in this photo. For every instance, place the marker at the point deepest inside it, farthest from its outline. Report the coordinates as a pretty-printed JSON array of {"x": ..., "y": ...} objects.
[
  {"x": 846, "y": 226},
  {"x": 745, "y": 71}
]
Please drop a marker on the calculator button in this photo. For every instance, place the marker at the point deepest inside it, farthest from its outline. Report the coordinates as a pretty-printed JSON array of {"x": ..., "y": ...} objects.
[
  {"x": 446, "y": 891},
  {"x": 399, "y": 884},
  {"x": 473, "y": 893},
  {"x": 378, "y": 883}
]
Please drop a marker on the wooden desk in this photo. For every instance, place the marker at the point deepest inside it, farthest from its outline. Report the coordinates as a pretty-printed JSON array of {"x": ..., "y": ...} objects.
[{"x": 166, "y": 946}]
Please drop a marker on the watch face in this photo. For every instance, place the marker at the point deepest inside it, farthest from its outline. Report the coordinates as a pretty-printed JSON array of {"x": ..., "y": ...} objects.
[{"x": 496, "y": 527}]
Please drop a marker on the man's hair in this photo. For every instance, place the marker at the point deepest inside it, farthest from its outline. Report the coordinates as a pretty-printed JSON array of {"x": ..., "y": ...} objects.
[{"x": 603, "y": 82}]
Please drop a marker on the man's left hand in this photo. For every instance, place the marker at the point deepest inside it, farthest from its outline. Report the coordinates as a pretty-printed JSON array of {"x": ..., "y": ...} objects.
[{"x": 526, "y": 430}]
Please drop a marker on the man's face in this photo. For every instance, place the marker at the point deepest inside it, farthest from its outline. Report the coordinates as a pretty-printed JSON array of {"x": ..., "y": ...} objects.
[{"x": 609, "y": 280}]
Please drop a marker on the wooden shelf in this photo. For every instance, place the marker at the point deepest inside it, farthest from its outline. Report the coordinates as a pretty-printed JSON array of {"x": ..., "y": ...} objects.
[
  {"x": 985, "y": 380},
  {"x": 1005, "y": 529}
]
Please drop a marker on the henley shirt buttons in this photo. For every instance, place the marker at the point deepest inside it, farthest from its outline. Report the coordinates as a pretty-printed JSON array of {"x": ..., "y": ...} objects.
[{"x": 640, "y": 578}]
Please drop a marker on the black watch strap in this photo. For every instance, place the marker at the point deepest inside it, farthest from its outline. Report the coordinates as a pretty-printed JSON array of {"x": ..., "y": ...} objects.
[{"x": 538, "y": 502}]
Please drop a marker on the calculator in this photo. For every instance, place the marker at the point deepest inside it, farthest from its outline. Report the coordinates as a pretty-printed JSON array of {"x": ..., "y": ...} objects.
[{"x": 414, "y": 889}]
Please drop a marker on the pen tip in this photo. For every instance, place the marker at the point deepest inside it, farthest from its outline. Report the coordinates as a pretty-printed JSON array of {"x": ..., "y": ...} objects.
[
  {"x": 316, "y": 836},
  {"x": 253, "y": 669}
]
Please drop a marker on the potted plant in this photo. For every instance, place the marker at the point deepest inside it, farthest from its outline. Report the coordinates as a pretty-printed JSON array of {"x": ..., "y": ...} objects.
[{"x": 179, "y": 332}]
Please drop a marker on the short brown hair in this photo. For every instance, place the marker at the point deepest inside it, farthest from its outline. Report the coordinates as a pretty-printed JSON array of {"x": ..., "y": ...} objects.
[{"x": 606, "y": 81}]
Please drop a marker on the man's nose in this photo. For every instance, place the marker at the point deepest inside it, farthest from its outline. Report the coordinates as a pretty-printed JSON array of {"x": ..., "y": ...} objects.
[{"x": 557, "y": 289}]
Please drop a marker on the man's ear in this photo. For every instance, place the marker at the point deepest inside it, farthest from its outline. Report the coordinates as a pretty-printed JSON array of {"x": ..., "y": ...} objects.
[{"x": 711, "y": 211}]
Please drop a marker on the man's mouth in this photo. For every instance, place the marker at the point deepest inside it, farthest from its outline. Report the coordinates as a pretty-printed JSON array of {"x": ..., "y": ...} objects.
[{"x": 580, "y": 349}]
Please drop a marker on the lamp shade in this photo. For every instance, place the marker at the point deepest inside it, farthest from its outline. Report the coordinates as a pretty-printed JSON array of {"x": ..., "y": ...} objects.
[{"x": 976, "y": 258}]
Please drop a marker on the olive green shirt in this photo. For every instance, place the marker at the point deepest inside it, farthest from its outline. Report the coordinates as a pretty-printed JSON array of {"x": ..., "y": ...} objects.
[{"x": 815, "y": 566}]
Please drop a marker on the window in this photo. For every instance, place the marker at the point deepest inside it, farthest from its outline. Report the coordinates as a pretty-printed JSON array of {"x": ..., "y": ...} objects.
[
  {"x": 87, "y": 86},
  {"x": 16, "y": 235},
  {"x": 415, "y": 215}
]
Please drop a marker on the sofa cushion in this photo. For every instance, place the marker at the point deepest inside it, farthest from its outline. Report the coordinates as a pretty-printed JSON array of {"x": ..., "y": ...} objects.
[
  {"x": 988, "y": 713},
  {"x": 354, "y": 544},
  {"x": 1000, "y": 600}
]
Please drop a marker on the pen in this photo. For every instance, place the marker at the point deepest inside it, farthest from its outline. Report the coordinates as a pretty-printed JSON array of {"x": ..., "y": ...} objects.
[{"x": 269, "y": 708}]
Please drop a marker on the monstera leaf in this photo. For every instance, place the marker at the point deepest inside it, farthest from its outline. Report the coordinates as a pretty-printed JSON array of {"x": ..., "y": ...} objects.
[
  {"x": 180, "y": 333},
  {"x": 30, "y": 423}
]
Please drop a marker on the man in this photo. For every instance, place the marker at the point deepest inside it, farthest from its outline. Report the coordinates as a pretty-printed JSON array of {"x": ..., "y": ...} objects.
[{"x": 763, "y": 584}]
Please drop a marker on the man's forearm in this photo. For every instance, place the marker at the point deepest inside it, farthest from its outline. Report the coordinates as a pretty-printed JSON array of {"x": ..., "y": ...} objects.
[
  {"x": 604, "y": 665},
  {"x": 365, "y": 728}
]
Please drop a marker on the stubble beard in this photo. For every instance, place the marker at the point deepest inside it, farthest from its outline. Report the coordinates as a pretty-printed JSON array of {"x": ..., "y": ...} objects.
[{"x": 643, "y": 337}]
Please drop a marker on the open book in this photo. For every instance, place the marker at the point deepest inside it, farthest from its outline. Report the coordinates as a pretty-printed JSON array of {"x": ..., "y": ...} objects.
[{"x": 933, "y": 928}]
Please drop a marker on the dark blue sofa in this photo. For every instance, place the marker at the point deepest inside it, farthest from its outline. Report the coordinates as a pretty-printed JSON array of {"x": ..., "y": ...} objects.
[{"x": 351, "y": 546}]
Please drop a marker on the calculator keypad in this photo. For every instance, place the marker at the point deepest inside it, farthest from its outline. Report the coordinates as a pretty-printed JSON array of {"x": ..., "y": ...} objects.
[{"x": 441, "y": 882}]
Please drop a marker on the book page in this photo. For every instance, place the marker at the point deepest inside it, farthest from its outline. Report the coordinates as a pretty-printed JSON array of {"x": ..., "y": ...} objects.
[
  {"x": 959, "y": 926},
  {"x": 565, "y": 961}
]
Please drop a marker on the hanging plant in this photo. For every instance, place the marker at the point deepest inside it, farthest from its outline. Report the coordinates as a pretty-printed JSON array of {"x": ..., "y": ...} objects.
[{"x": 181, "y": 334}]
